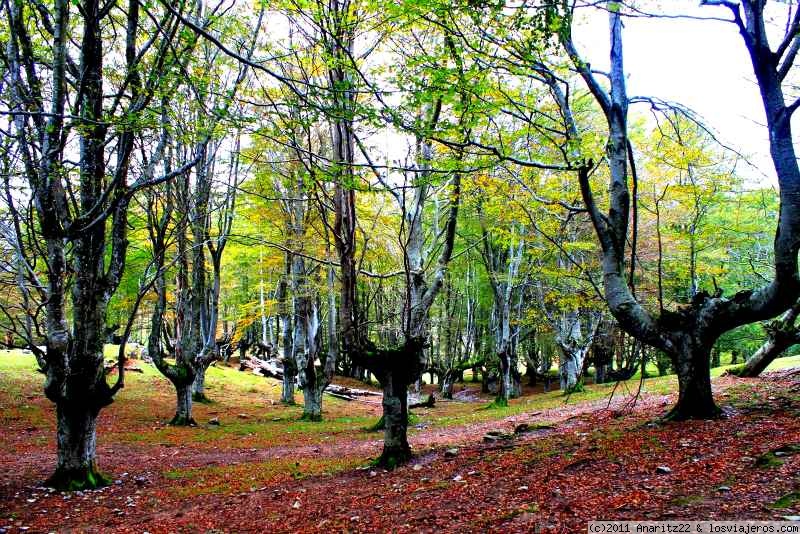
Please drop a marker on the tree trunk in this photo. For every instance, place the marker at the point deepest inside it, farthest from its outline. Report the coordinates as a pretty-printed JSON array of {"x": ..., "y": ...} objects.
[
  {"x": 774, "y": 347},
  {"x": 312, "y": 402},
  {"x": 183, "y": 410},
  {"x": 569, "y": 371},
  {"x": 396, "y": 449},
  {"x": 287, "y": 389},
  {"x": 506, "y": 385},
  {"x": 76, "y": 438},
  {"x": 446, "y": 385},
  {"x": 695, "y": 400},
  {"x": 199, "y": 384}
]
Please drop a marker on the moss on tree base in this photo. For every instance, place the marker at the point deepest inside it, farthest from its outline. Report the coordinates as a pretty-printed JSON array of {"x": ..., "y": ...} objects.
[
  {"x": 182, "y": 420},
  {"x": 78, "y": 479},
  {"x": 380, "y": 424},
  {"x": 313, "y": 417},
  {"x": 201, "y": 398},
  {"x": 393, "y": 458},
  {"x": 688, "y": 412}
]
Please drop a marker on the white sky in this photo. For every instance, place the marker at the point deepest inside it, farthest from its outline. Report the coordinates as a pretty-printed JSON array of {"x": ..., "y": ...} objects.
[{"x": 701, "y": 64}]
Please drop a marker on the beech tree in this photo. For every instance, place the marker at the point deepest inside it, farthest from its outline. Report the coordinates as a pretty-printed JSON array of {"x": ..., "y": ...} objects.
[
  {"x": 77, "y": 133},
  {"x": 688, "y": 334}
]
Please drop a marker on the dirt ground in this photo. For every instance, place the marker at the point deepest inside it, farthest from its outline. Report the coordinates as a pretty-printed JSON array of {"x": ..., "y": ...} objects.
[{"x": 262, "y": 470}]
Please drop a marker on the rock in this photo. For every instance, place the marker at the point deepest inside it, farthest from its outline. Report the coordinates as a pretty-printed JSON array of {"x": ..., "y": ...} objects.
[
  {"x": 296, "y": 505},
  {"x": 214, "y": 421},
  {"x": 790, "y": 517},
  {"x": 724, "y": 488},
  {"x": 417, "y": 467},
  {"x": 458, "y": 478},
  {"x": 451, "y": 453},
  {"x": 354, "y": 518},
  {"x": 243, "y": 416},
  {"x": 522, "y": 428},
  {"x": 373, "y": 474},
  {"x": 522, "y": 488},
  {"x": 496, "y": 435},
  {"x": 663, "y": 470}
]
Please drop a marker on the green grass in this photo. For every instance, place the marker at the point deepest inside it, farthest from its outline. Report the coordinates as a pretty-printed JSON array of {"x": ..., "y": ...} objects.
[{"x": 147, "y": 402}]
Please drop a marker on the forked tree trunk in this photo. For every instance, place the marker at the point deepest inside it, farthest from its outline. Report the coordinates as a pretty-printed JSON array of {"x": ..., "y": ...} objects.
[
  {"x": 77, "y": 442},
  {"x": 446, "y": 385}
]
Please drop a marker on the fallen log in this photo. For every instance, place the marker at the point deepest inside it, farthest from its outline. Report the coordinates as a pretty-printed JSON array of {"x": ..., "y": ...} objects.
[
  {"x": 274, "y": 369},
  {"x": 112, "y": 365},
  {"x": 427, "y": 403}
]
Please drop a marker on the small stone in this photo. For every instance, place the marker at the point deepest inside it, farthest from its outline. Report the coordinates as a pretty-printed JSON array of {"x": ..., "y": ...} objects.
[
  {"x": 790, "y": 517},
  {"x": 417, "y": 467},
  {"x": 522, "y": 488},
  {"x": 373, "y": 474},
  {"x": 296, "y": 505},
  {"x": 214, "y": 421},
  {"x": 724, "y": 488},
  {"x": 451, "y": 453},
  {"x": 473, "y": 473},
  {"x": 243, "y": 416},
  {"x": 663, "y": 470},
  {"x": 458, "y": 478},
  {"x": 31, "y": 501},
  {"x": 354, "y": 518},
  {"x": 522, "y": 428},
  {"x": 780, "y": 453},
  {"x": 424, "y": 479},
  {"x": 496, "y": 435}
]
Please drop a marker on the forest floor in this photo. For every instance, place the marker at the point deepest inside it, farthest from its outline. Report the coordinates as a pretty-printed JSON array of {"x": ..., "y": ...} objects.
[{"x": 263, "y": 470}]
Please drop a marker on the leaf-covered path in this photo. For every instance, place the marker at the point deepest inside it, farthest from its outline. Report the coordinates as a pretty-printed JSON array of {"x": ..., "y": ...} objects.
[{"x": 576, "y": 462}]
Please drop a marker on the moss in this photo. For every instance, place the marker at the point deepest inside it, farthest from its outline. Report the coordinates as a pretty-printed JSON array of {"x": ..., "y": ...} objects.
[
  {"x": 311, "y": 417},
  {"x": 201, "y": 398},
  {"x": 380, "y": 424},
  {"x": 686, "y": 500},
  {"x": 392, "y": 459},
  {"x": 78, "y": 479},
  {"x": 498, "y": 402},
  {"x": 578, "y": 387},
  {"x": 787, "y": 501},
  {"x": 773, "y": 458},
  {"x": 182, "y": 420}
]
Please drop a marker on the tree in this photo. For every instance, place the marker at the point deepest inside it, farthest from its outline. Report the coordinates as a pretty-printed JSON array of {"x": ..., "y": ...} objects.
[
  {"x": 82, "y": 208},
  {"x": 688, "y": 334}
]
